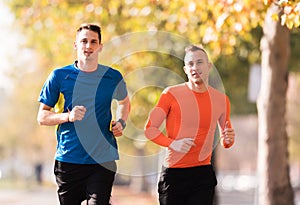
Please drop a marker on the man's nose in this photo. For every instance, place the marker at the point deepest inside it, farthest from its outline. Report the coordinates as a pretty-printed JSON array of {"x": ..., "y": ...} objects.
[
  {"x": 194, "y": 67},
  {"x": 88, "y": 44}
]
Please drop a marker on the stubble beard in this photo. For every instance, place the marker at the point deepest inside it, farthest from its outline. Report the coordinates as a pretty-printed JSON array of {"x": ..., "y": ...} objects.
[{"x": 198, "y": 81}]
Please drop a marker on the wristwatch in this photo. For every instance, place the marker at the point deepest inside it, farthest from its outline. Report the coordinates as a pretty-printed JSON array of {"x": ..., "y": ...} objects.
[{"x": 123, "y": 123}]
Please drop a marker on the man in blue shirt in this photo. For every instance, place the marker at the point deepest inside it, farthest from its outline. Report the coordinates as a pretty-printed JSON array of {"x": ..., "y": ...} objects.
[{"x": 86, "y": 146}]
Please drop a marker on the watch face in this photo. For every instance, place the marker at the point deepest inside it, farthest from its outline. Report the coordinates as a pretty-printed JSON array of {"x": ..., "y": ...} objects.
[{"x": 122, "y": 123}]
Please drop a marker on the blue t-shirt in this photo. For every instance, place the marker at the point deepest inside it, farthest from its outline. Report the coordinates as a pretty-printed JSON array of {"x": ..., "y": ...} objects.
[{"x": 88, "y": 141}]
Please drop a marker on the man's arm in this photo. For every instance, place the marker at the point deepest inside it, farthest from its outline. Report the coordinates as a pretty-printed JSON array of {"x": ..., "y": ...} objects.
[
  {"x": 123, "y": 109},
  {"x": 152, "y": 128},
  {"x": 122, "y": 113},
  {"x": 47, "y": 117},
  {"x": 152, "y": 132},
  {"x": 226, "y": 130},
  {"x": 227, "y": 135}
]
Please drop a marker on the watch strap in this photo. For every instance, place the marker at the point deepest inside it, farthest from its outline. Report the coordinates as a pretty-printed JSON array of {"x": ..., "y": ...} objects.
[{"x": 123, "y": 123}]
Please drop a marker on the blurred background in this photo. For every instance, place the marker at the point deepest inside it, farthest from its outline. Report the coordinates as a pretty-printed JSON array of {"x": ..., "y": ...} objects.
[{"x": 145, "y": 40}]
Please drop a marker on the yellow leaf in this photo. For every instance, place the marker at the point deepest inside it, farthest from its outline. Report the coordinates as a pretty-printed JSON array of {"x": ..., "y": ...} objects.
[
  {"x": 283, "y": 2},
  {"x": 289, "y": 24},
  {"x": 297, "y": 7},
  {"x": 283, "y": 19},
  {"x": 275, "y": 17},
  {"x": 297, "y": 21},
  {"x": 267, "y": 2}
]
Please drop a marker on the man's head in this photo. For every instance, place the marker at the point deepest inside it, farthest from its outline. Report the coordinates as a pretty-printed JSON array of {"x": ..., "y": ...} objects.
[
  {"x": 194, "y": 48},
  {"x": 88, "y": 42},
  {"x": 196, "y": 64}
]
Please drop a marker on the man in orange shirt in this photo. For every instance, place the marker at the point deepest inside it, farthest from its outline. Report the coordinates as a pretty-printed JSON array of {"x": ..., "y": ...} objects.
[{"x": 192, "y": 111}]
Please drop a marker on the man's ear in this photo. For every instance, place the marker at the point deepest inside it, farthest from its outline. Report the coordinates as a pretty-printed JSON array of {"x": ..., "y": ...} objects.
[
  {"x": 74, "y": 45},
  {"x": 210, "y": 65},
  {"x": 184, "y": 69},
  {"x": 101, "y": 47}
]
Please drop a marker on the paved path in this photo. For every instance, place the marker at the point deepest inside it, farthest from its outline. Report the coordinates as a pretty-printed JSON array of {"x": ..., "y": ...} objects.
[
  {"x": 47, "y": 196},
  {"x": 121, "y": 196}
]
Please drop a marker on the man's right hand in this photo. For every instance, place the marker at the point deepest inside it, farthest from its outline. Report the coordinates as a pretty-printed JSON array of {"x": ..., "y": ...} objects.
[
  {"x": 77, "y": 113},
  {"x": 182, "y": 145}
]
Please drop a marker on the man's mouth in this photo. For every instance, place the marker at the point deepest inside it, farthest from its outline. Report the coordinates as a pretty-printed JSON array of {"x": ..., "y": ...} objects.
[
  {"x": 88, "y": 53},
  {"x": 196, "y": 74}
]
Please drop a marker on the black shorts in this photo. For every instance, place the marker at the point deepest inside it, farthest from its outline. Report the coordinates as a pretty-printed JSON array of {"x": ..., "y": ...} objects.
[
  {"x": 79, "y": 182},
  {"x": 187, "y": 186}
]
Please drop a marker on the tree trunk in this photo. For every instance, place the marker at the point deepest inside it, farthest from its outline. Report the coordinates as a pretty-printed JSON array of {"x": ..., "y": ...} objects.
[{"x": 273, "y": 164}]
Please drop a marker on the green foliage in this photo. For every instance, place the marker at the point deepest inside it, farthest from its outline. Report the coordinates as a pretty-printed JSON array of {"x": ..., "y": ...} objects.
[{"x": 294, "y": 63}]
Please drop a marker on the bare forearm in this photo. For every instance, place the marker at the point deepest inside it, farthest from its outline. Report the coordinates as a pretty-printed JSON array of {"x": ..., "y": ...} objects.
[
  {"x": 46, "y": 117},
  {"x": 123, "y": 109},
  {"x": 122, "y": 112}
]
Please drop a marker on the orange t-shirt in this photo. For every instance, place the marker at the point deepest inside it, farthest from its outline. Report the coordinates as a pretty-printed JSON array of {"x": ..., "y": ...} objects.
[{"x": 188, "y": 114}]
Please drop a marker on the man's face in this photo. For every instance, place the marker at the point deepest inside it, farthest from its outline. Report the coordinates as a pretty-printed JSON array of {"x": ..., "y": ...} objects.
[
  {"x": 87, "y": 44},
  {"x": 197, "y": 66}
]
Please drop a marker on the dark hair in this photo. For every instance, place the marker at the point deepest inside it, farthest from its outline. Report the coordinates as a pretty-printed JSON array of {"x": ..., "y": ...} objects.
[{"x": 91, "y": 27}]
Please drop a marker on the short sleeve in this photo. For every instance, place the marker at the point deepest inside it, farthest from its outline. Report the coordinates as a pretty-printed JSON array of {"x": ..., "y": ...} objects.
[
  {"x": 121, "y": 89},
  {"x": 50, "y": 91}
]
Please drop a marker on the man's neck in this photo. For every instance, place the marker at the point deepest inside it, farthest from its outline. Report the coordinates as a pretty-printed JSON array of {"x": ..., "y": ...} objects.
[
  {"x": 87, "y": 65},
  {"x": 199, "y": 88}
]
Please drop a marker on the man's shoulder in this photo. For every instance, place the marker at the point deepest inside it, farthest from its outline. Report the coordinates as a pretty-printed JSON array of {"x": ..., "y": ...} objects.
[
  {"x": 109, "y": 70},
  {"x": 64, "y": 72},
  {"x": 63, "y": 69},
  {"x": 217, "y": 95},
  {"x": 215, "y": 91}
]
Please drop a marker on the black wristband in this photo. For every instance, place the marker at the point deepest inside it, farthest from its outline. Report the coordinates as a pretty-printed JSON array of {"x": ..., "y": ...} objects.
[{"x": 123, "y": 123}]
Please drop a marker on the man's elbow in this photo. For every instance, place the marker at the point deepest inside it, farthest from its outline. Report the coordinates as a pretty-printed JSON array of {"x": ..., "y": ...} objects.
[
  {"x": 41, "y": 120},
  {"x": 146, "y": 133},
  {"x": 151, "y": 132}
]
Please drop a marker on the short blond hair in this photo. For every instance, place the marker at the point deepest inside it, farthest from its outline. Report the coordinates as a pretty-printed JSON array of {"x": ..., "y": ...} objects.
[{"x": 193, "y": 48}]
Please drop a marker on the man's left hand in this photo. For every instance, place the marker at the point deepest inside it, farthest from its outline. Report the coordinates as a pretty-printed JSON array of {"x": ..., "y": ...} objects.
[{"x": 117, "y": 129}]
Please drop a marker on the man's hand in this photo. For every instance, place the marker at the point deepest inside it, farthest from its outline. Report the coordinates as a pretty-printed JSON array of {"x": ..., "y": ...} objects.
[
  {"x": 182, "y": 145},
  {"x": 117, "y": 128},
  {"x": 227, "y": 137},
  {"x": 77, "y": 113}
]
